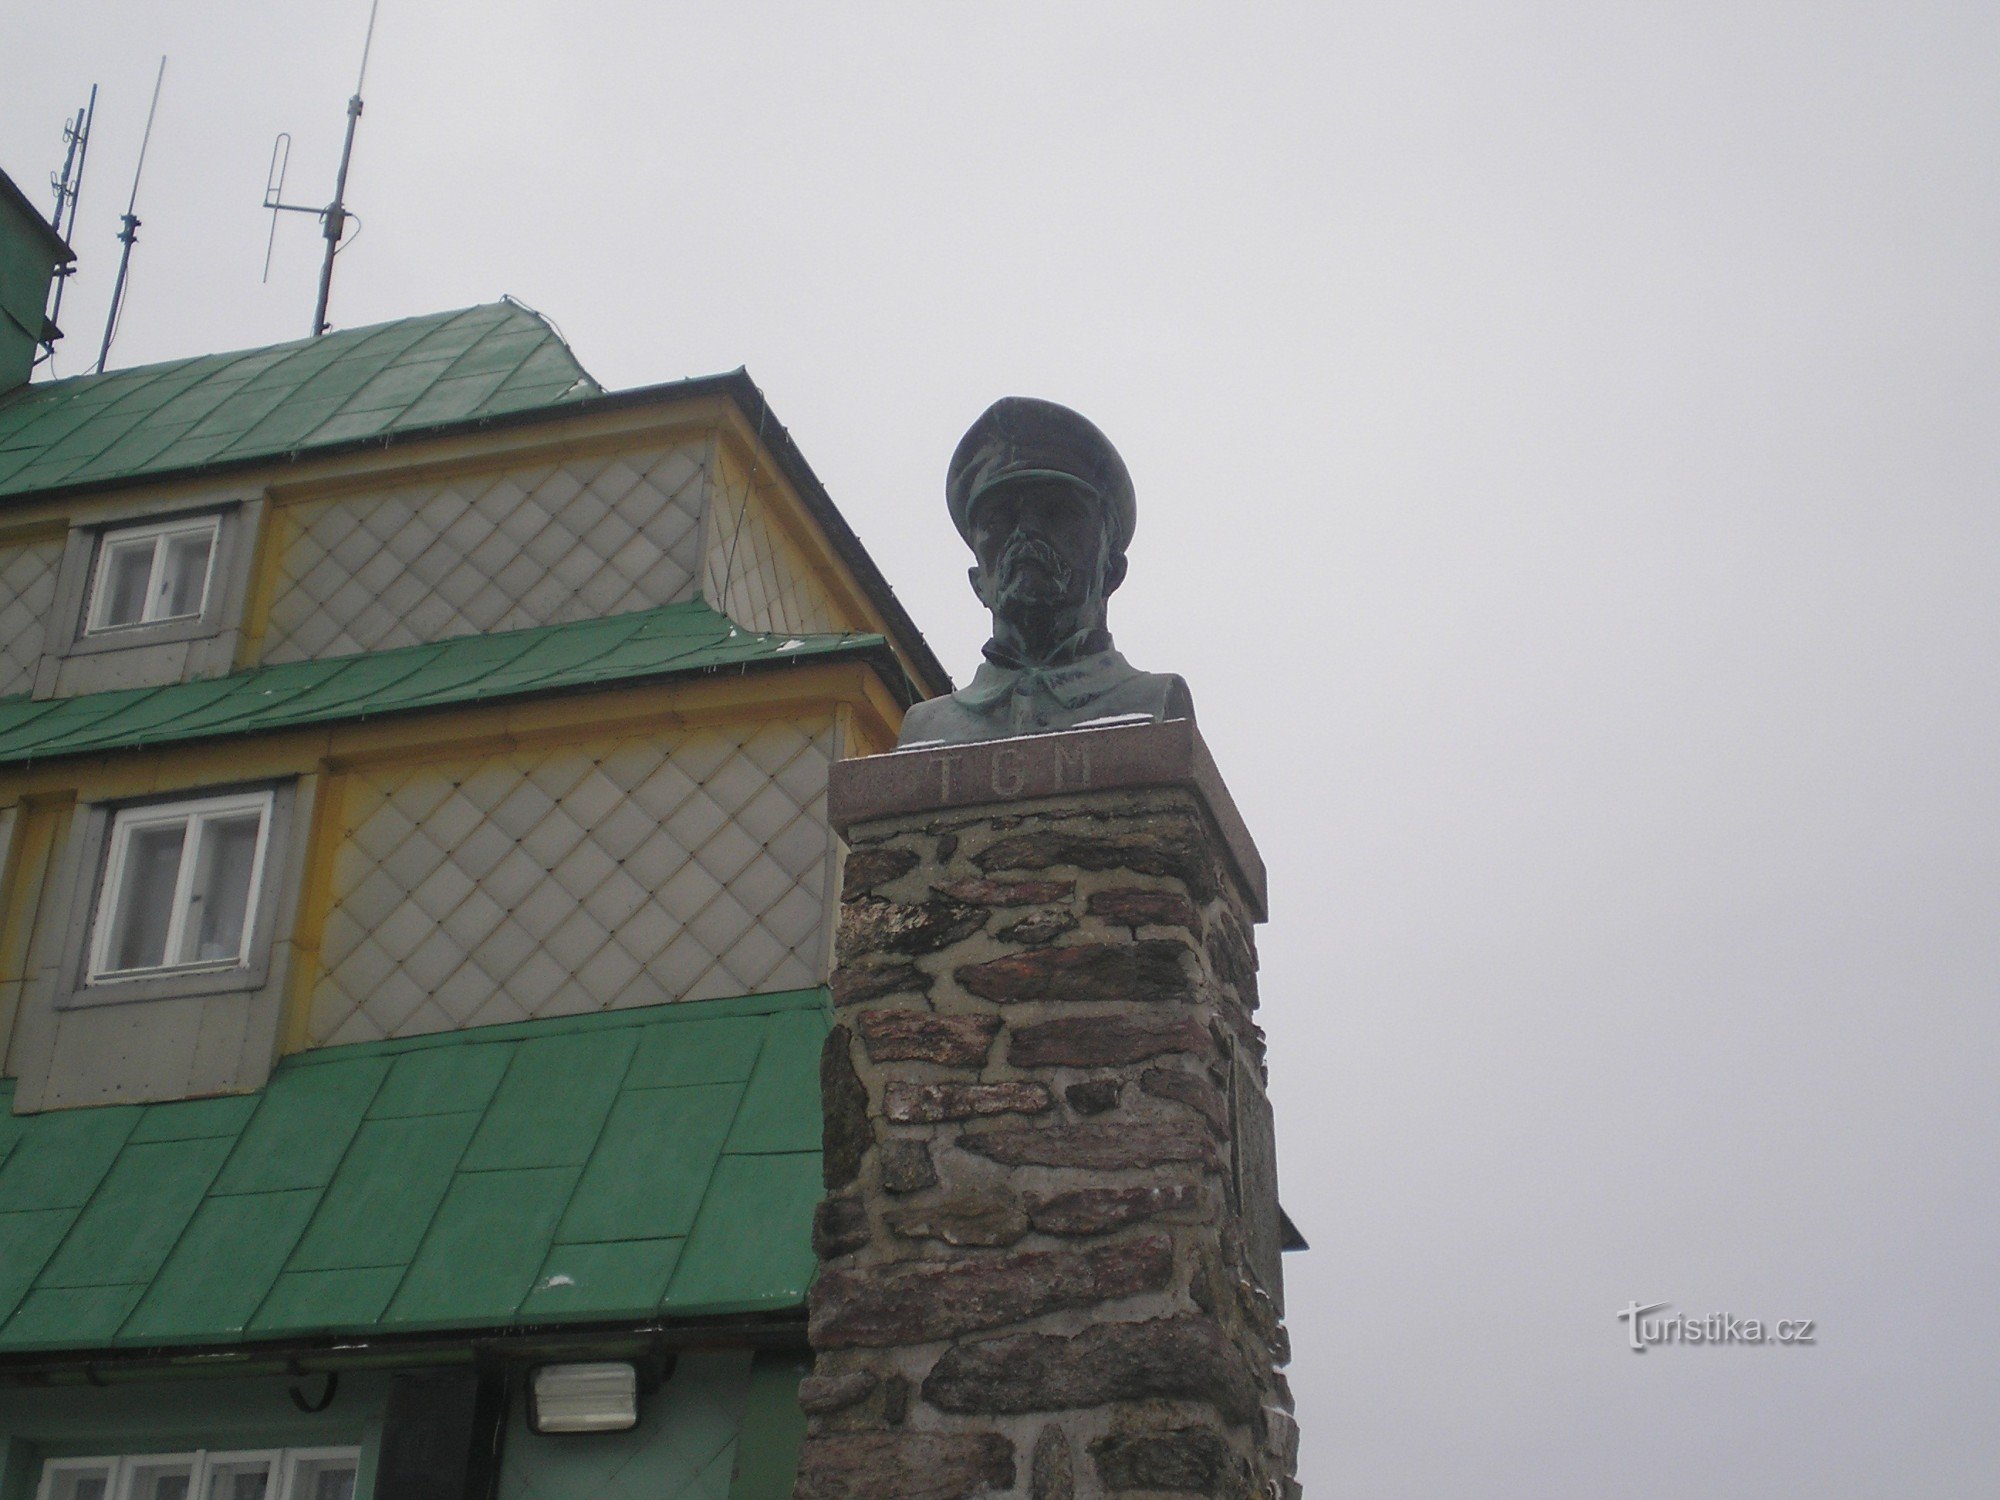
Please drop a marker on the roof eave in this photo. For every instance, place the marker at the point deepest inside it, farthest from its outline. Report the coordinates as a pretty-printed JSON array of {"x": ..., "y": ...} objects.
[
  {"x": 873, "y": 653},
  {"x": 734, "y": 385}
]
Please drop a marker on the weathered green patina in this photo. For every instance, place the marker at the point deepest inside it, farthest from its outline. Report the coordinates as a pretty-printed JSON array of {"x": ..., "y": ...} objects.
[
  {"x": 634, "y": 1164},
  {"x": 675, "y": 640}
]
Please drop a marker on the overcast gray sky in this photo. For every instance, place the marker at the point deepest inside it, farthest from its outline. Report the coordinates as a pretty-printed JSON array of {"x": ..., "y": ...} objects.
[{"x": 1566, "y": 448}]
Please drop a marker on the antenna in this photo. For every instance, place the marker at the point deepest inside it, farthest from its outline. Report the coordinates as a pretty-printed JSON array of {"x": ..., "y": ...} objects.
[
  {"x": 129, "y": 235},
  {"x": 333, "y": 218},
  {"x": 68, "y": 188}
]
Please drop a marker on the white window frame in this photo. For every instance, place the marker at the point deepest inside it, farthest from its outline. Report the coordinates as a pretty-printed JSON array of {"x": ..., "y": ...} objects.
[
  {"x": 194, "y": 812},
  {"x": 159, "y": 531},
  {"x": 123, "y": 1468}
]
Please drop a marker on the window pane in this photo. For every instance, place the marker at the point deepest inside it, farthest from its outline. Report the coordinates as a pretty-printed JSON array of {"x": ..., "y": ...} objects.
[
  {"x": 184, "y": 574},
  {"x": 142, "y": 903},
  {"x": 167, "y": 1481},
  {"x": 121, "y": 585},
  {"x": 325, "y": 1479},
  {"x": 245, "y": 1480},
  {"x": 220, "y": 894},
  {"x": 80, "y": 1484}
]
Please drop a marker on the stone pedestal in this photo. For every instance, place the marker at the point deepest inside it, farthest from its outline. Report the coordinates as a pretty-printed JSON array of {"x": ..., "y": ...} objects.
[{"x": 1050, "y": 1243}]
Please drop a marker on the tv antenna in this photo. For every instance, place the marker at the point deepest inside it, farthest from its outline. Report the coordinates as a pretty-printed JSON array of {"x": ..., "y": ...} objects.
[
  {"x": 129, "y": 235},
  {"x": 333, "y": 218},
  {"x": 68, "y": 188}
]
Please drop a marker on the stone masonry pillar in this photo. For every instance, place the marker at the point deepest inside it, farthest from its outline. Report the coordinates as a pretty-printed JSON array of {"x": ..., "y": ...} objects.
[{"x": 1049, "y": 1250}]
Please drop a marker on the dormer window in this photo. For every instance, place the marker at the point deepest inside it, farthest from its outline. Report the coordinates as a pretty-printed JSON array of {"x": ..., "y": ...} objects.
[
  {"x": 180, "y": 887},
  {"x": 150, "y": 575}
]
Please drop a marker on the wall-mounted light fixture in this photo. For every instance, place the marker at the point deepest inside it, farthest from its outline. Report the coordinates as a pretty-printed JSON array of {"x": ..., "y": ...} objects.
[{"x": 583, "y": 1398}]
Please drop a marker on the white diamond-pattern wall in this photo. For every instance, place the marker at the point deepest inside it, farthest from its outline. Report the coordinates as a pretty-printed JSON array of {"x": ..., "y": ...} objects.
[
  {"x": 588, "y": 537},
  {"x": 756, "y": 576},
  {"x": 27, "y": 595},
  {"x": 561, "y": 879}
]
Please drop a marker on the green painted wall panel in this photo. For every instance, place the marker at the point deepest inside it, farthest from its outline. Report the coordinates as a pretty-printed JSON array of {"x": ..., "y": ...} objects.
[
  {"x": 552, "y": 1105},
  {"x": 485, "y": 1246},
  {"x": 312, "y": 1301},
  {"x": 196, "y": 1119},
  {"x": 298, "y": 1135},
  {"x": 62, "y": 1315},
  {"x": 787, "y": 1071},
  {"x": 652, "y": 1164},
  {"x": 137, "y": 1215},
  {"x": 700, "y": 1052},
  {"x": 751, "y": 1248},
  {"x": 223, "y": 1265},
  {"x": 624, "y": 1278},
  {"x": 774, "y": 1428},
  {"x": 64, "y": 1158},
  {"x": 441, "y": 1081},
  {"x": 391, "y": 1182},
  {"x": 26, "y": 1243}
]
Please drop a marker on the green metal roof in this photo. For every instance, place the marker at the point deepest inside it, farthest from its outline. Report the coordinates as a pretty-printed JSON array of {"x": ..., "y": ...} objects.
[
  {"x": 621, "y": 1166},
  {"x": 356, "y": 384},
  {"x": 678, "y": 638}
]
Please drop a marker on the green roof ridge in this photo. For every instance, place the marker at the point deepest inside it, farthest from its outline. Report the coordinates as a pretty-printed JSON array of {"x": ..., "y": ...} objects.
[
  {"x": 354, "y": 384},
  {"x": 673, "y": 639}
]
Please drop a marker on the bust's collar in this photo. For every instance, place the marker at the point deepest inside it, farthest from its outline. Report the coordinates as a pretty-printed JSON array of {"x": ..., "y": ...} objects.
[
  {"x": 1076, "y": 675},
  {"x": 1088, "y": 642}
]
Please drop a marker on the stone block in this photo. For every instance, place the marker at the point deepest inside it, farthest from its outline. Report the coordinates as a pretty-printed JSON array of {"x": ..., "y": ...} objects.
[
  {"x": 1037, "y": 928},
  {"x": 1144, "y": 906},
  {"x": 820, "y": 1395},
  {"x": 919, "y": 1036},
  {"x": 1175, "y": 850},
  {"x": 1165, "y": 1359},
  {"x": 907, "y": 1103},
  {"x": 977, "y": 892},
  {"x": 964, "y": 1217},
  {"x": 869, "y": 924},
  {"x": 1179, "y": 1461},
  {"x": 1084, "y": 1211},
  {"x": 1192, "y": 1090},
  {"x": 1094, "y": 1095},
  {"x": 1052, "y": 1474},
  {"x": 881, "y": 1306},
  {"x": 904, "y": 1466},
  {"x": 873, "y": 866},
  {"x": 1104, "y": 1041},
  {"x": 845, "y": 1130},
  {"x": 867, "y": 979},
  {"x": 840, "y": 1227},
  {"x": 1101, "y": 973},
  {"x": 907, "y": 1166},
  {"x": 1096, "y": 1147}
]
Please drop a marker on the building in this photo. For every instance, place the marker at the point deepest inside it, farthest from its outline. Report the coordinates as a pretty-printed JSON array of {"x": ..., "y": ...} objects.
[{"x": 415, "y": 906}]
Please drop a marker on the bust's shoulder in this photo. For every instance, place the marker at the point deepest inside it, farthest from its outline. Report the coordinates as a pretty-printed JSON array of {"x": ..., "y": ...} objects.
[{"x": 1162, "y": 695}]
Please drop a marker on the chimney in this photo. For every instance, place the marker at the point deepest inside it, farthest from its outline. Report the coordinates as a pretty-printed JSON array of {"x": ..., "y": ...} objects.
[{"x": 30, "y": 251}]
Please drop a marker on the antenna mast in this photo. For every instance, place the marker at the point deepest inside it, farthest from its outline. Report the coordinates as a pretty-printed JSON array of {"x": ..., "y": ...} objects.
[
  {"x": 333, "y": 218},
  {"x": 129, "y": 235},
  {"x": 68, "y": 188}
]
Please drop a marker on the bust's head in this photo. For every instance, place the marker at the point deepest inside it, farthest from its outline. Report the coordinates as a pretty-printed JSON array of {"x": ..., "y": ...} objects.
[
  {"x": 1046, "y": 505},
  {"x": 1043, "y": 544}
]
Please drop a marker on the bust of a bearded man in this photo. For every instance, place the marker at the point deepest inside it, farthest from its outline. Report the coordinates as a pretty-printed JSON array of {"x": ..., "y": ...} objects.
[{"x": 1046, "y": 505}]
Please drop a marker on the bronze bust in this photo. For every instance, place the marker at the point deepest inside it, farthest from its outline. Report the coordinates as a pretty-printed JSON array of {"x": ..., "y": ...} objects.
[{"x": 1046, "y": 505}]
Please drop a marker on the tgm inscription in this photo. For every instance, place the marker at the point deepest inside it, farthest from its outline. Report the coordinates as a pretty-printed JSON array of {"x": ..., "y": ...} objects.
[{"x": 1008, "y": 771}]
